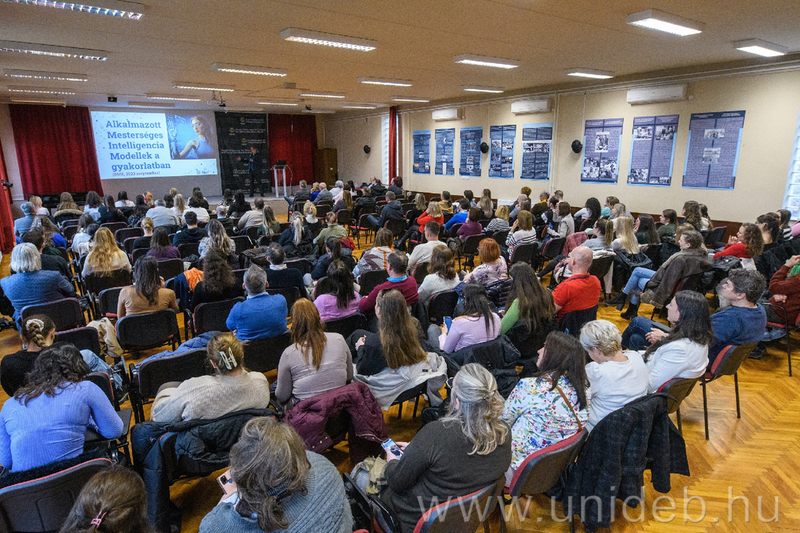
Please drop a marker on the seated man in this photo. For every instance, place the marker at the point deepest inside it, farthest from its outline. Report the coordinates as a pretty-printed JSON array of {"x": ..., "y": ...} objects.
[
  {"x": 300, "y": 196},
  {"x": 192, "y": 233},
  {"x": 378, "y": 188},
  {"x": 162, "y": 215},
  {"x": 365, "y": 200},
  {"x": 21, "y": 225},
  {"x": 254, "y": 217},
  {"x": 393, "y": 210},
  {"x": 461, "y": 216},
  {"x": 279, "y": 275},
  {"x": 324, "y": 194},
  {"x": 398, "y": 265},
  {"x": 422, "y": 252},
  {"x": 49, "y": 262},
  {"x": 581, "y": 290},
  {"x": 337, "y": 189},
  {"x": 262, "y": 315}
]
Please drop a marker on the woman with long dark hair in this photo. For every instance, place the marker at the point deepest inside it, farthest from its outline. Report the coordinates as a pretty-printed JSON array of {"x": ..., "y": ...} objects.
[
  {"x": 692, "y": 215},
  {"x": 140, "y": 209},
  {"x": 343, "y": 299},
  {"x": 109, "y": 212},
  {"x": 161, "y": 247},
  {"x": 147, "y": 294},
  {"x": 645, "y": 229},
  {"x": 239, "y": 206},
  {"x": 528, "y": 303},
  {"x": 218, "y": 282},
  {"x": 93, "y": 203},
  {"x": 769, "y": 224},
  {"x": 478, "y": 323}
]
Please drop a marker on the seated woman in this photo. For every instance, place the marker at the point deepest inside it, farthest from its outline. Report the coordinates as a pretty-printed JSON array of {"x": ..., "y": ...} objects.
[
  {"x": 669, "y": 222},
  {"x": 147, "y": 294},
  {"x": 377, "y": 257},
  {"x": 343, "y": 299},
  {"x": 346, "y": 203},
  {"x": 105, "y": 256},
  {"x": 433, "y": 212},
  {"x": 645, "y": 229},
  {"x": 521, "y": 232},
  {"x": 333, "y": 252},
  {"x": 219, "y": 240},
  {"x": 471, "y": 226},
  {"x": 80, "y": 242},
  {"x": 678, "y": 353},
  {"x": 147, "y": 226},
  {"x": 161, "y": 247},
  {"x": 232, "y": 388},
  {"x": 465, "y": 451},
  {"x": 486, "y": 206},
  {"x": 239, "y": 206},
  {"x": 499, "y": 222},
  {"x": 269, "y": 225},
  {"x": 551, "y": 405},
  {"x": 32, "y": 285},
  {"x": 692, "y": 259},
  {"x": 691, "y": 215},
  {"x": 280, "y": 486},
  {"x": 417, "y": 210},
  {"x": 528, "y": 303},
  {"x": 316, "y": 362},
  {"x": 478, "y": 323},
  {"x": 297, "y": 240},
  {"x": 47, "y": 419},
  {"x": 626, "y": 238},
  {"x": 109, "y": 212},
  {"x": 442, "y": 276},
  {"x": 311, "y": 222},
  {"x": 67, "y": 209},
  {"x": 331, "y": 229},
  {"x": 769, "y": 224},
  {"x": 566, "y": 224},
  {"x": 139, "y": 211},
  {"x": 615, "y": 378},
  {"x": 218, "y": 282},
  {"x": 588, "y": 214},
  {"x": 602, "y": 236},
  {"x": 493, "y": 266}
]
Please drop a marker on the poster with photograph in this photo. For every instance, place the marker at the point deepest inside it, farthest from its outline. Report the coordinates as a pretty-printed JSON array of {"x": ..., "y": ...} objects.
[
  {"x": 470, "y": 157},
  {"x": 501, "y": 153},
  {"x": 601, "y": 141},
  {"x": 422, "y": 151},
  {"x": 536, "y": 143},
  {"x": 653, "y": 150},
  {"x": 791, "y": 198},
  {"x": 238, "y": 134},
  {"x": 712, "y": 150},
  {"x": 445, "y": 151}
]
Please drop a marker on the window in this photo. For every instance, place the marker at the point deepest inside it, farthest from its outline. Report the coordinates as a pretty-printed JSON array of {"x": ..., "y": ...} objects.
[
  {"x": 791, "y": 197},
  {"x": 385, "y": 150}
]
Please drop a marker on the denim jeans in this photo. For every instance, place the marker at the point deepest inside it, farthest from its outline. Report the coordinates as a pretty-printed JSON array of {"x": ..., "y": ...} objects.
[
  {"x": 96, "y": 364},
  {"x": 373, "y": 220},
  {"x": 639, "y": 278}
]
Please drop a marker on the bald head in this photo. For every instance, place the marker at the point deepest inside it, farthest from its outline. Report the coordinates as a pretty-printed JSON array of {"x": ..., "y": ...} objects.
[{"x": 582, "y": 260}]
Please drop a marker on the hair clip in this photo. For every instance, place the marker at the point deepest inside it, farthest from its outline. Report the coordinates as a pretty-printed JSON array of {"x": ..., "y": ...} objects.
[
  {"x": 280, "y": 493},
  {"x": 97, "y": 520},
  {"x": 228, "y": 359},
  {"x": 37, "y": 322}
]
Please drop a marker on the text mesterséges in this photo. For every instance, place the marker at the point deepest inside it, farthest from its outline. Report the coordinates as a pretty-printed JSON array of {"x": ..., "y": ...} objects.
[{"x": 129, "y": 135}]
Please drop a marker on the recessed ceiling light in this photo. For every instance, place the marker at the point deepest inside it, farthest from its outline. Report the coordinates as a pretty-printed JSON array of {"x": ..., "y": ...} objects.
[
  {"x": 359, "y": 106},
  {"x": 259, "y": 102},
  {"x": 175, "y": 97},
  {"x": 481, "y": 89},
  {"x": 320, "y": 95},
  {"x": 590, "y": 73},
  {"x": 482, "y": 61},
  {"x": 385, "y": 81},
  {"x": 319, "y": 111},
  {"x": 39, "y": 102},
  {"x": 151, "y": 104},
  {"x": 409, "y": 99},
  {"x": 244, "y": 69},
  {"x": 43, "y": 75},
  {"x": 202, "y": 86},
  {"x": 52, "y": 51},
  {"x": 112, "y": 8},
  {"x": 666, "y": 22},
  {"x": 328, "y": 39},
  {"x": 41, "y": 90},
  {"x": 761, "y": 48}
]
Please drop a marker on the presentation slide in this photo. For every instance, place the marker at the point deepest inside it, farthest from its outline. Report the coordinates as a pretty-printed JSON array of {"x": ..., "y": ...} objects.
[{"x": 147, "y": 145}]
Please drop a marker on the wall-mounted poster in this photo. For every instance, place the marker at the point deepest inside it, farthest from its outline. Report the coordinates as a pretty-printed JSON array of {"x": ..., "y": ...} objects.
[
  {"x": 537, "y": 140},
  {"x": 653, "y": 150},
  {"x": 601, "y": 141},
  {"x": 501, "y": 153},
  {"x": 712, "y": 149},
  {"x": 422, "y": 151},
  {"x": 445, "y": 152},
  {"x": 470, "y": 157}
]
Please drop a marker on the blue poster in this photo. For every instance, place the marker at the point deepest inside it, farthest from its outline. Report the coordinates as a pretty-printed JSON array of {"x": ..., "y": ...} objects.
[
  {"x": 470, "y": 157},
  {"x": 445, "y": 152},
  {"x": 653, "y": 150},
  {"x": 537, "y": 140},
  {"x": 601, "y": 141},
  {"x": 501, "y": 154},
  {"x": 712, "y": 150},
  {"x": 422, "y": 151}
]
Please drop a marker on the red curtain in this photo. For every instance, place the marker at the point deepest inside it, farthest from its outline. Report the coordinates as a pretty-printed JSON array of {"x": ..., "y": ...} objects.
[
  {"x": 6, "y": 219},
  {"x": 55, "y": 148},
  {"x": 392, "y": 142},
  {"x": 293, "y": 138}
]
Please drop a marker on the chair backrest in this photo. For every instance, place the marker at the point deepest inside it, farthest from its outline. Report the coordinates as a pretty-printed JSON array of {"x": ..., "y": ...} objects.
[
  {"x": 69, "y": 232},
  {"x": 523, "y": 253},
  {"x": 252, "y": 234},
  {"x": 454, "y": 230},
  {"x": 83, "y": 338},
  {"x": 189, "y": 248},
  {"x": 324, "y": 286},
  {"x": 678, "y": 389},
  {"x": 442, "y": 304},
  {"x": 370, "y": 280},
  {"x": 114, "y": 226},
  {"x": 420, "y": 271},
  {"x": 151, "y": 374},
  {"x": 653, "y": 252},
  {"x": 126, "y": 233},
  {"x": 344, "y": 217},
  {"x": 65, "y": 313},
  {"x": 471, "y": 244},
  {"x": 500, "y": 237},
  {"x": 542, "y": 469},
  {"x": 212, "y": 316},
  {"x": 553, "y": 248},
  {"x": 292, "y": 294},
  {"x": 573, "y": 321},
  {"x": 102, "y": 380},
  {"x": 137, "y": 253},
  {"x": 127, "y": 245},
  {"x": 716, "y": 235},
  {"x": 345, "y": 326},
  {"x": 148, "y": 330},
  {"x": 302, "y": 264},
  {"x": 170, "y": 268},
  {"x": 242, "y": 243},
  {"x": 448, "y": 518},
  {"x": 43, "y": 504},
  {"x": 728, "y": 360},
  {"x": 263, "y": 355},
  {"x": 96, "y": 283},
  {"x": 396, "y": 226},
  {"x": 108, "y": 300}
]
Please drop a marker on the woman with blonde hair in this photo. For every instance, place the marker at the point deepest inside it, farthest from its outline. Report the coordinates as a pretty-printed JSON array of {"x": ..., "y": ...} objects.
[
  {"x": 521, "y": 232},
  {"x": 105, "y": 256},
  {"x": 464, "y": 451},
  {"x": 38, "y": 210},
  {"x": 217, "y": 239},
  {"x": 67, "y": 209},
  {"x": 297, "y": 240},
  {"x": 311, "y": 221},
  {"x": 626, "y": 238},
  {"x": 499, "y": 222},
  {"x": 280, "y": 486},
  {"x": 148, "y": 225},
  {"x": 178, "y": 207},
  {"x": 316, "y": 362},
  {"x": 487, "y": 206},
  {"x": 433, "y": 212},
  {"x": 269, "y": 225}
]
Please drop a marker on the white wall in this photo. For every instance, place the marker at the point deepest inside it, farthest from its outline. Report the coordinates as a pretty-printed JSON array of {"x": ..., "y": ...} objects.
[
  {"x": 10, "y": 154},
  {"x": 348, "y": 137}
]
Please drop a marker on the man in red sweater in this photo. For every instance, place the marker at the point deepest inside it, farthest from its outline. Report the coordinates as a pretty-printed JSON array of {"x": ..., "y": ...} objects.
[
  {"x": 398, "y": 264},
  {"x": 581, "y": 290}
]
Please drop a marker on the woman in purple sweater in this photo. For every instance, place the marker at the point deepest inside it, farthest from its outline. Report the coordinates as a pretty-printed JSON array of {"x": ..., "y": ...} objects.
[
  {"x": 478, "y": 324},
  {"x": 160, "y": 246}
]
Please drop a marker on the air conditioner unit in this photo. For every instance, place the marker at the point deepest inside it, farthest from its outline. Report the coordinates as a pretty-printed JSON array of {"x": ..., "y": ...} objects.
[
  {"x": 661, "y": 93},
  {"x": 451, "y": 113},
  {"x": 528, "y": 107}
]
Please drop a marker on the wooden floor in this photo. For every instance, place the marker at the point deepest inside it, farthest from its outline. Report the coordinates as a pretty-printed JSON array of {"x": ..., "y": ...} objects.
[{"x": 756, "y": 458}]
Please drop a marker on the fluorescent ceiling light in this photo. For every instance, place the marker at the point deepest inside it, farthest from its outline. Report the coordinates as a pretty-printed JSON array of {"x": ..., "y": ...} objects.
[
  {"x": 175, "y": 97},
  {"x": 385, "y": 81},
  {"x": 761, "y": 48},
  {"x": 41, "y": 90},
  {"x": 40, "y": 102},
  {"x": 43, "y": 75},
  {"x": 52, "y": 51},
  {"x": 328, "y": 39},
  {"x": 590, "y": 73},
  {"x": 359, "y": 106},
  {"x": 409, "y": 99},
  {"x": 320, "y": 95},
  {"x": 667, "y": 22},
  {"x": 259, "y": 102},
  {"x": 119, "y": 9},
  {"x": 244, "y": 69},
  {"x": 319, "y": 111},
  {"x": 202, "y": 86},
  {"x": 482, "y": 61},
  {"x": 150, "y": 104},
  {"x": 482, "y": 89}
]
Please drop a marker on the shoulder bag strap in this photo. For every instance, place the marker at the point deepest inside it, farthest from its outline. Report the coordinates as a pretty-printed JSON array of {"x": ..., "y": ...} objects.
[{"x": 571, "y": 408}]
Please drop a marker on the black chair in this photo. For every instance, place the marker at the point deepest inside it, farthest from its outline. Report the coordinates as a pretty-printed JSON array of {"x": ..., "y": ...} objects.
[
  {"x": 126, "y": 233},
  {"x": 573, "y": 321},
  {"x": 677, "y": 389},
  {"x": 127, "y": 245},
  {"x": 362, "y": 225},
  {"x": 653, "y": 252},
  {"x": 302, "y": 264},
  {"x": 442, "y": 304},
  {"x": 784, "y": 325},
  {"x": 470, "y": 249},
  {"x": 716, "y": 235},
  {"x": 94, "y": 284},
  {"x": 69, "y": 233},
  {"x": 242, "y": 243},
  {"x": 291, "y": 294},
  {"x": 169, "y": 268},
  {"x": 599, "y": 268},
  {"x": 189, "y": 248},
  {"x": 322, "y": 210},
  {"x": 263, "y": 355},
  {"x": 65, "y": 313},
  {"x": 397, "y": 227},
  {"x": 114, "y": 226},
  {"x": 500, "y": 238},
  {"x": 407, "y": 395},
  {"x": 524, "y": 253},
  {"x": 252, "y": 234},
  {"x": 83, "y": 338},
  {"x": 370, "y": 280},
  {"x": 103, "y": 381},
  {"x": 726, "y": 363},
  {"x": 323, "y": 286},
  {"x": 345, "y": 326},
  {"x": 420, "y": 271},
  {"x": 148, "y": 330},
  {"x": 137, "y": 253},
  {"x": 553, "y": 248},
  {"x": 107, "y": 302},
  {"x": 344, "y": 217},
  {"x": 211, "y": 316}
]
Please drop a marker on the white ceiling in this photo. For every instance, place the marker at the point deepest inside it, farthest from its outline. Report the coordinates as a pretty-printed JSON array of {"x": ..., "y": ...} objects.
[{"x": 178, "y": 40}]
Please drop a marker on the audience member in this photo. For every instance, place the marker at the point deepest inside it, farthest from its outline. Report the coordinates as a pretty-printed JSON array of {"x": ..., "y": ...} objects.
[
  {"x": 191, "y": 233},
  {"x": 297, "y": 240},
  {"x": 589, "y": 214},
  {"x": 461, "y": 215},
  {"x": 333, "y": 229},
  {"x": 343, "y": 299},
  {"x": 521, "y": 232},
  {"x": 433, "y": 213},
  {"x": 160, "y": 246},
  {"x": 262, "y": 315},
  {"x": 442, "y": 274},
  {"x": 147, "y": 227},
  {"x": 499, "y": 222},
  {"x": 581, "y": 290},
  {"x": 365, "y": 201},
  {"x": 478, "y": 323},
  {"x": 486, "y": 206},
  {"x": 645, "y": 229},
  {"x": 269, "y": 225},
  {"x": 540, "y": 207},
  {"x": 333, "y": 252},
  {"x": 566, "y": 224},
  {"x": 253, "y": 217},
  {"x": 300, "y": 196},
  {"x": 147, "y": 294},
  {"x": 493, "y": 266},
  {"x": 93, "y": 203},
  {"x": 378, "y": 188},
  {"x": 109, "y": 212},
  {"x": 471, "y": 226},
  {"x": 139, "y": 211},
  {"x": 669, "y": 221},
  {"x": 626, "y": 238},
  {"x": 422, "y": 252},
  {"x": 691, "y": 215},
  {"x": 279, "y": 275},
  {"x": 196, "y": 207},
  {"x": 122, "y": 200},
  {"x": 162, "y": 215},
  {"x": 602, "y": 237},
  {"x": 218, "y": 239},
  {"x": 80, "y": 241},
  {"x": 397, "y": 186},
  {"x": 528, "y": 303},
  {"x": 311, "y": 221},
  {"x": 239, "y": 206},
  {"x": 324, "y": 194},
  {"x": 32, "y": 285},
  {"x": 67, "y": 209},
  {"x": 337, "y": 189},
  {"x": 769, "y": 224},
  {"x": 393, "y": 210},
  {"x": 377, "y": 257},
  {"x": 49, "y": 262},
  {"x": 218, "y": 283},
  {"x": 407, "y": 286},
  {"x": 21, "y": 225}
]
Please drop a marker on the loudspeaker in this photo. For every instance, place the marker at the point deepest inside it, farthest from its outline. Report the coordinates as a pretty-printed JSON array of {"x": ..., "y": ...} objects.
[
  {"x": 484, "y": 148},
  {"x": 577, "y": 146},
  {"x": 367, "y": 149}
]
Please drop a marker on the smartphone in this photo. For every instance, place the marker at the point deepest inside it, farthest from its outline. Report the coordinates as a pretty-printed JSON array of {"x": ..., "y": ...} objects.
[
  {"x": 226, "y": 483},
  {"x": 448, "y": 321},
  {"x": 390, "y": 446}
]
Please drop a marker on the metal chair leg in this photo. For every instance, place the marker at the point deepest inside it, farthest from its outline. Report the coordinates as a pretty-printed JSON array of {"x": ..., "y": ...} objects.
[
  {"x": 678, "y": 414},
  {"x": 400, "y": 410},
  {"x": 789, "y": 350},
  {"x": 416, "y": 404},
  {"x": 705, "y": 407},
  {"x": 736, "y": 387}
]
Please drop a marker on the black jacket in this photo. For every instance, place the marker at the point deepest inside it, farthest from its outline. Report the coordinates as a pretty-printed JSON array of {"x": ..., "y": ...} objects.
[
  {"x": 364, "y": 201},
  {"x": 288, "y": 277},
  {"x": 391, "y": 211},
  {"x": 499, "y": 356},
  {"x": 189, "y": 235}
]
